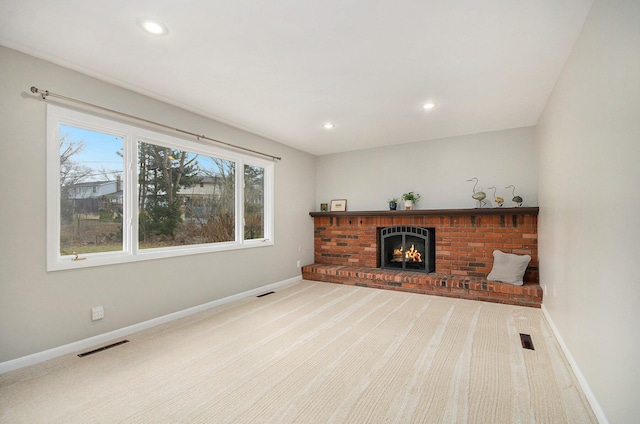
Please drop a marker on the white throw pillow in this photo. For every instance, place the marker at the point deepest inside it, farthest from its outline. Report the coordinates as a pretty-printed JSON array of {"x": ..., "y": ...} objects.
[{"x": 508, "y": 268}]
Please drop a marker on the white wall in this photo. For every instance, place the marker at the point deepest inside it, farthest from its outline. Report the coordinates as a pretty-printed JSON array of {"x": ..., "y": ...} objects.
[
  {"x": 589, "y": 228},
  {"x": 438, "y": 170},
  {"x": 40, "y": 310}
]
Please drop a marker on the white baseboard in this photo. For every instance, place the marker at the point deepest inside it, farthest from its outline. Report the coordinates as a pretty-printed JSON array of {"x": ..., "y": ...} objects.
[
  {"x": 591, "y": 398},
  {"x": 55, "y": 352}
]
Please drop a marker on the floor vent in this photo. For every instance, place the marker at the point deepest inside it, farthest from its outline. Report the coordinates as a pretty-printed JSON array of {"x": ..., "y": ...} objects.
[
  {"x": 526, "y": 341},
  {"x": 100, "y": 349},
  {"x": 265, "y": 294}
]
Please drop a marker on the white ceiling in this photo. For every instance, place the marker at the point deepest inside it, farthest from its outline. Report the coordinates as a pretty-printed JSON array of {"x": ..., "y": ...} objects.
[{"x": 282, "y": 68}]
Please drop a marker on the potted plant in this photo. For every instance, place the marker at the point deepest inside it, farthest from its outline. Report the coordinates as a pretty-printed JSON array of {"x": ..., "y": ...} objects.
[
  {"x": 409, "y": 200},
  {"x": 393, "y": 203}
]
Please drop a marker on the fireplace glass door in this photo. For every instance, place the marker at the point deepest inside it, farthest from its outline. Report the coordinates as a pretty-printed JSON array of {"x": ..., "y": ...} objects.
[{"x": 409, "y": 248}]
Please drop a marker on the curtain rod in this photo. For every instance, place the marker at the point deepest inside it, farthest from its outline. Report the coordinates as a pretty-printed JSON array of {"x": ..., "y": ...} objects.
[{"x": 47, "y": 93}]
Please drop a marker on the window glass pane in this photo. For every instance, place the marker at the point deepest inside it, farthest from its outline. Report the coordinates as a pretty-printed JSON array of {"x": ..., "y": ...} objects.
[
  {"x": 90, "y": 191},
  {"x": 184, "y": 198},
  {"x": 253, "y": 202}
]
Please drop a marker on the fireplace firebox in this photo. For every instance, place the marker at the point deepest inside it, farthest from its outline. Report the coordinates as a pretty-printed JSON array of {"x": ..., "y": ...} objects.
[{"x": 409, "y": 248}]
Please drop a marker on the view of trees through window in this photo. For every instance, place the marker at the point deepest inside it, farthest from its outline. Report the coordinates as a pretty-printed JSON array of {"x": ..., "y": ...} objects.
[
  {"x": 91, "y": 167},
  {"x": 183, "y": 198},
  {"x": 253, "y": 202}
]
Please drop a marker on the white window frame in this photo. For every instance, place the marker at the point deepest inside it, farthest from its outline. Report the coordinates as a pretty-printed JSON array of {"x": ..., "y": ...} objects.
[{"x": 131, "y": 134}]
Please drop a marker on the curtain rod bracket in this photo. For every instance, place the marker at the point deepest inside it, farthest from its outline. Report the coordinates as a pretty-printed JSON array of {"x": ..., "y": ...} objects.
[{"x": 44, "y": 94}]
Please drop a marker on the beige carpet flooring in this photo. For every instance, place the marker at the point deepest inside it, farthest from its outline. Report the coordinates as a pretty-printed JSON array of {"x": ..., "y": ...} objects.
[{"x": 314, "y": 353}]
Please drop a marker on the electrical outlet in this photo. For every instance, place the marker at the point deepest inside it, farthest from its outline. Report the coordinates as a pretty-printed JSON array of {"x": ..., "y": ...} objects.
[
  {"x": 97, "y": 313},
  {"x": 298, "y": 263}
]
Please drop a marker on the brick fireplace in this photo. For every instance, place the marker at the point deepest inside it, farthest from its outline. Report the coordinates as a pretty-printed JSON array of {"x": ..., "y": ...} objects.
[{"x": 347, "y": 251}]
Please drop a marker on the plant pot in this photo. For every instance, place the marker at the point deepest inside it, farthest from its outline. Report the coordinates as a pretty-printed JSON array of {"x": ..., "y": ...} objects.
[
  {"x": 393, "y": 206},
  {"x": 408, "y": 205}
]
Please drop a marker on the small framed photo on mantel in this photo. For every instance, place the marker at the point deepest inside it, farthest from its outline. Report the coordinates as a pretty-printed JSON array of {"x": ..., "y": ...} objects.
[{"x": 338, "y": 205}]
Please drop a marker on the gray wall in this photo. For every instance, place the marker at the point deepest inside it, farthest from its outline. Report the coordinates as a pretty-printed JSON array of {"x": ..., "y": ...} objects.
[
  {"x": 589, "y": 230},
  {"x": 40, "y": 310},
  {"x": 438, "y": 170}
]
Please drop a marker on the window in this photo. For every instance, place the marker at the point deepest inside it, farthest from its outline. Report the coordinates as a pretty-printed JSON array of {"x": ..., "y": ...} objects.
[
  {"x": 253, "y": 202},
  {"x": 119, "y": 193},
  {"x": 184, "y": 198},
  {"x": 90, "y": 203}
]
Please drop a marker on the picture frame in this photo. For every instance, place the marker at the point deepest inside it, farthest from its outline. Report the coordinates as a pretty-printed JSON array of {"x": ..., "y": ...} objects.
[
  {"x": 324, "y": 207},
  {"x": 338, "y": 205}
]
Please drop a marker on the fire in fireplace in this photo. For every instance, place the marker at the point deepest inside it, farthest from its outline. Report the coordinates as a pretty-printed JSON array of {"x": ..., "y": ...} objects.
[{"x": 408, "y": 247}]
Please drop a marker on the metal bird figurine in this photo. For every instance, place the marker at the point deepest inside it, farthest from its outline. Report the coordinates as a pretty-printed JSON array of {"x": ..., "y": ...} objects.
[
  {"x": 478, "y": 195},
  {"x": 498, "y": 200},
  {"x": 516, "y": 199}
]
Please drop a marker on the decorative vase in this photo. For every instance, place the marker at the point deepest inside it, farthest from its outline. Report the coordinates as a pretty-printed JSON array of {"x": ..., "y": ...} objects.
[
  {"x": 408, "y": 205},
  {"x": 393, "y": 206}
]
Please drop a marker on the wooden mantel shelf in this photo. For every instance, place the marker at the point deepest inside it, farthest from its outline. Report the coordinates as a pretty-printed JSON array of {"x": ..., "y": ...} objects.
[{"x": 422, "y": 212}]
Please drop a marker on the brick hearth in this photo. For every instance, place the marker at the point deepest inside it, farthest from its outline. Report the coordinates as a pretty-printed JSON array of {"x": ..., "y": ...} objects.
[{"x": 346, "y": 251}]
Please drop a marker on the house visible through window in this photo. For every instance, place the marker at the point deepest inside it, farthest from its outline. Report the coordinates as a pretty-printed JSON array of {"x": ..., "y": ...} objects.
[
  {"x": 119, "y": 193},
  {"x": 175, "y": 206},
  {"x": 91, "y": 165}
]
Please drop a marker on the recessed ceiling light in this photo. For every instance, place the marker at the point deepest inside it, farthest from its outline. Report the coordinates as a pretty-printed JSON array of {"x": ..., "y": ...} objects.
[
  {"x": 429, "y": 105},
  {"x": 153, "y": 27},
  {"x": 328, "y": 126}
]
